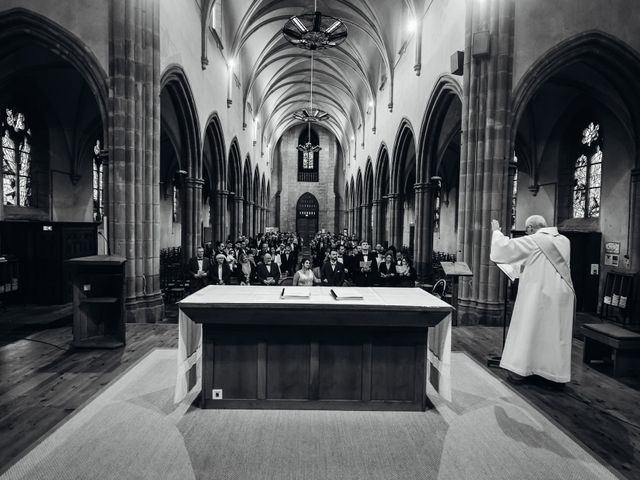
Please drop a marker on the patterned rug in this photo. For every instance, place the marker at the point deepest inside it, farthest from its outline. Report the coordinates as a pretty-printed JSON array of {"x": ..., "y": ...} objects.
[{"x": 134, "y": 431}]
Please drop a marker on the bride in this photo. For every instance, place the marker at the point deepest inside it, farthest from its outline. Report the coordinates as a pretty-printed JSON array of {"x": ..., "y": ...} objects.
[{"x": 305, "y": 277}]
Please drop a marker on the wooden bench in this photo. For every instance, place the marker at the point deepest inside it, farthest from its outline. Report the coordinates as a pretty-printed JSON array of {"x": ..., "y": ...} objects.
[{"x": 607, "y": 341}]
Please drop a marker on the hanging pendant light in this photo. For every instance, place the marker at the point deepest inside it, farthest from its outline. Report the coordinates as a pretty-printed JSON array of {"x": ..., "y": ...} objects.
[
  {"x": 310, "y": 115},
  {"x": 314, "y": 31}
]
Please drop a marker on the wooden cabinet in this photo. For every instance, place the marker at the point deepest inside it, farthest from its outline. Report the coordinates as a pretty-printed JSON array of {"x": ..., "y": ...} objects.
[
  {"x": 620, "y": 297},
  {"x": 98, "y": 301}
]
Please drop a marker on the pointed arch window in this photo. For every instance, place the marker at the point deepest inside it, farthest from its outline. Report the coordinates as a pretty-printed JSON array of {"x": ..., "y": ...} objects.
[
  {"x": 174, "y": 203},
  {"x": 308, "y": 158},
  {"x": 587, "y": 174},
  {"x": 16, "y": 160},
  {"x": 98, "y": 183}
]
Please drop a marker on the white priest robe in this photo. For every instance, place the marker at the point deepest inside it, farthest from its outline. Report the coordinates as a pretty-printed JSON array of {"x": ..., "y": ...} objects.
[{"x": 539, "y": 338}]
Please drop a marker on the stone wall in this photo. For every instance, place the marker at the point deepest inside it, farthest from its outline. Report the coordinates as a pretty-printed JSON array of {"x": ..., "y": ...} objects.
[{"x": 291, "y": 190}]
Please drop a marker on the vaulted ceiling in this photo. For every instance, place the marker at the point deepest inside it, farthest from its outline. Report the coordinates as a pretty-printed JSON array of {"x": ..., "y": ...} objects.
[{"x": 275, "y": 75}]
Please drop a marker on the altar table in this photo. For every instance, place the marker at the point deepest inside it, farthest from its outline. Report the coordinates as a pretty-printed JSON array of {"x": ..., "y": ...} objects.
[{"x": 254, "y": 349}]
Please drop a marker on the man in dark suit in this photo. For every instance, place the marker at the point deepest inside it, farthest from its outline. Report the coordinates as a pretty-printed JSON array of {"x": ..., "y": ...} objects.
[
  {"x": 268, "y": 272},
  {"x": 332, "y": 272},
  {"x": 365, "y": 267},
  {"x": 220, "y": 272},
  {"x": 199, "y": 267},
  {"x": 287, "y": 264}
]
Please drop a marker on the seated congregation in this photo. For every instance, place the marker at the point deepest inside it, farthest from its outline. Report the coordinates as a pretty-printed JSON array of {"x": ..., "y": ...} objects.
[{"x": 277, "y": 258}]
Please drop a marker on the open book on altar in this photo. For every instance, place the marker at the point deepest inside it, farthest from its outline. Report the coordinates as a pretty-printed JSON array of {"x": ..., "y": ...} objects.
[
  {"x": 346, "y": 293},
  {"x": 295, "y": 292}
]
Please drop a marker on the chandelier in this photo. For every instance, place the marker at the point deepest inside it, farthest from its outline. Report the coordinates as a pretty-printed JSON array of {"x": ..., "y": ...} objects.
[
  {"x": 310, "y": 116},
  {"x": 314, "y": 31}
]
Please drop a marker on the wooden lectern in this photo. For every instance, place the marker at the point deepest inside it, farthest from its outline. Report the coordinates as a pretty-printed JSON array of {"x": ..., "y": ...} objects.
[
  {"x": 98, "y": 301},
  {"x": 455, "y": 270}
]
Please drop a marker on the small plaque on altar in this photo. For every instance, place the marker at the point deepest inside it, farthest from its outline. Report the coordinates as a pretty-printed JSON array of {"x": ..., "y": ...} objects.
[{"x": 456, "y": 269}]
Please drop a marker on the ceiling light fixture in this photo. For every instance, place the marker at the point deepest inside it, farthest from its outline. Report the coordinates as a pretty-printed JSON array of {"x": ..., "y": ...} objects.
[
  {"x": 314, "y": 31},
  {"x": 310, "y": 115}
]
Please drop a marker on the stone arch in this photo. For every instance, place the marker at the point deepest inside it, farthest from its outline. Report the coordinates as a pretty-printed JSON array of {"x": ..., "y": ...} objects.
[
  {"x": 590, "y": 77},
  {"x": 234, "y": 189},
  {"x": 175, "y": 85},
  {"x": 215, "y": 167},
  {"x": 446, "y": 91},
  {"x": 358, "y": 206},
  {"x": 403, "y": 178},
  {"x": 618, "y": 62},
  {"x": 179, "y": 123},
  {"x": 19, "y": 24},
  {"x": 352, "y": 209},
  {"x": 438, "y": 172},
  {"x": 368, "y": 200},
  {"x": 307, "y": 216},
  {"x": 256, "y": 201},
  {"x": 263, "y": 203},
  {"x": 246, "y": 194},
  {"x": 50, "y": 56},
  {"x": 382, "y": 183}
]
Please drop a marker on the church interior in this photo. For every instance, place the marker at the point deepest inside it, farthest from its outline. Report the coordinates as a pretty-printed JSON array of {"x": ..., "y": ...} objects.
[{"x": 141, "y": 138}]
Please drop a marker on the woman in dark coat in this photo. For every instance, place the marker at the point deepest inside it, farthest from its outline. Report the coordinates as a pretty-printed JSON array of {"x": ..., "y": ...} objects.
[
  {"x": 407, "y": 275},
  {"x": 387, "y": 271}
]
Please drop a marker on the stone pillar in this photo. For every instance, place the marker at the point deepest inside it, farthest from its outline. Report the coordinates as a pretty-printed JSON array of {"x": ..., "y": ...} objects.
[
  {"x": 347, "y": 213},
  {"x": 246, "y": 218},
  {"x": 260, "y": 219},
  {"x": 366, "y": 221},
  {"x": 424, "y": 229},
  {"x": 239, "y": 217},
  {"x": 359, "y": 221},
  {"x": 277, "y": 211},
  {"x": 256, "y": 219},
  {"x": 220, "y": 223},
  {"x": 191, "y": 234},
  {"x": 634, "y": 240},
  {"x": 133, "y": 189},
  {"x": 395, "y": 214},
  {"x": 484, "y": 162},
  {"x": 375, "y": 217}
]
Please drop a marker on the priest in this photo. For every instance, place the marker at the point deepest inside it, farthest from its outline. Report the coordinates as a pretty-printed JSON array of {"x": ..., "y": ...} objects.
[{"x": 539, "y": 338}]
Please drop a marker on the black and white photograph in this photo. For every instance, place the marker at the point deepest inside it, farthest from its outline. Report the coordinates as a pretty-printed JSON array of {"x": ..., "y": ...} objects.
[{"x": 320, "y": 239}]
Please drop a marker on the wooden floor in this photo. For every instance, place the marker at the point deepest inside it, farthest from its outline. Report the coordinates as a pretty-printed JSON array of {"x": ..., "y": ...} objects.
[{"x": 42, "y": 383}]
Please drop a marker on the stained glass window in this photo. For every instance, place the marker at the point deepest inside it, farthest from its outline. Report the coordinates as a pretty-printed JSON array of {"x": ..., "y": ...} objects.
[
  {"x": 98, "y": 185},
  {"x": 175, "y": 203},
  {"x": 437, "y": 205},
  {"x": 16, "y": 160},
  {"x": 587, "y": 174},
  {"x": 307, "y": 160}
]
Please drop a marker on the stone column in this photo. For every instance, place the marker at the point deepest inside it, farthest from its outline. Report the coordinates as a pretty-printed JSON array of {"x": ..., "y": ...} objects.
[
  {"x": 395, "y": 214},
  {"x": 358, "y": 215},
  {"x": 191, "y": 234},
  {"x": 423, "y": 242},
  {"x": 220, "y": 223},
  {"x": 260, "y": 219},
  {"x": 277, "y": 211},
  {"x": 133, "y": 189},
  {"x": 366, "y": 221},
  {"x": 484, "y": 165},
  {"x": 375, "y": 216},
  {"x": 634, "y": 240},
  {"x": 256, "y": 219},
  {"x": 239, "y": 216},
  {"x": 347, "y": 213}
]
